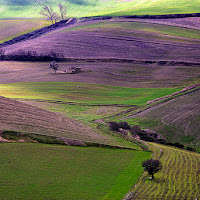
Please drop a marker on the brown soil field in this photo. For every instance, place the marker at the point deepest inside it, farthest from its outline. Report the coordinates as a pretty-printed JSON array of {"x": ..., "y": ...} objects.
[
  {"x": 116, "y": 74},
  {"x": 112, "y": 43},
  {"x": 22, "y": 117}
]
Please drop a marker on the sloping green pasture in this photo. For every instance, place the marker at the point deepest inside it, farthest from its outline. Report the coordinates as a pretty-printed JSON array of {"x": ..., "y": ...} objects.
[
  {"x": 179, "y": 178},
  {"x": 79, "y": 8},
  {"x": 161, "y": 31},
  {"x": 13, "y": 28},
  {"x": 83, "y": 92},
  {"x": 36, "y": 171}
]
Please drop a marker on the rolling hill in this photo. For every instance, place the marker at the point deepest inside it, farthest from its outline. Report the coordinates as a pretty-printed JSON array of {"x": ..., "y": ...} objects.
[
  {"x": 80, "y": 8},
  {"x": 124, "y": 39},
  {"x": 22, "y": 117},
  {"x": 177, "y": 119},
  {"x": 13, "y": 28}
]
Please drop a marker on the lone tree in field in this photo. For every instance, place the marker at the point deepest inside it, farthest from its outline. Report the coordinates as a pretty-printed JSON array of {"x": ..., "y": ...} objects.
[
  {"x": 53, "y": 65},
  {"x": 48, "y": 12},
  {"x": 62, "y": 10},
  {"x": 152, "y": 166}
]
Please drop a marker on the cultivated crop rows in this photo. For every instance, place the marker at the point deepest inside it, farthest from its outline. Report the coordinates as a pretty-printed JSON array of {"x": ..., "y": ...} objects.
[
  {"x": 22, "y": 117},
  {"x": 109, "y": 43},
  {"x": 179, "y": 178}
]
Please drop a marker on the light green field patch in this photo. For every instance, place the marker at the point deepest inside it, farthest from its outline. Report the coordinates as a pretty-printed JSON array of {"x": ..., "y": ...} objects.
[
  {"x": 83, "y": 92},
  {"x": 80, "y": 8},
  {"x": 36, "y": 171}
]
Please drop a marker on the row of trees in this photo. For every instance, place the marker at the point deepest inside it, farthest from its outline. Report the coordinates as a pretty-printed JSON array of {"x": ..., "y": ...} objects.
[{"x": 50, "y": 14}]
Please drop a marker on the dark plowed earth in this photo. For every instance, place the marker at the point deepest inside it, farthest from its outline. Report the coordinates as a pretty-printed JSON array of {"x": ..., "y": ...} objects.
[
  {"x": 18, "y": 116},
  {"x": 122, "y": 44}
]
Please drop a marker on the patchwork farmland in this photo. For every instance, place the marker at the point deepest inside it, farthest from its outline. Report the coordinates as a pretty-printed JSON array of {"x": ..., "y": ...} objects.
[
  {"x": 111, "y": 39},
  {"x": 139, "y": 70},
  {"x": 180, "y": 175}
]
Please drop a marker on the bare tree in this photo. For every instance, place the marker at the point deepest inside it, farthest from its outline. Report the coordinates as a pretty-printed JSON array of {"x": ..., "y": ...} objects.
[
  {"x": 62, "y": 9},
  {"x": 47, "y": 11},
  {"x": 53, "y": 65},
  {"x": 55, "y": 17}
]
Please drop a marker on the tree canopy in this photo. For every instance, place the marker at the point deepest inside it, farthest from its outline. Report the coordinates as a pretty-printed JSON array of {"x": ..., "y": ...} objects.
[{"x": 152, "y": 166}]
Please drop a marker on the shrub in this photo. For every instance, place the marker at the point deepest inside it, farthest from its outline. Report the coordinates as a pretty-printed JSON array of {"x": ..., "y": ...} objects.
[
  {"x": 178, "y": 145},
  {"x": 147, "y": 138},
  {"x": 10, "y": 135},
  {"x": 124, "y": 125},
  {"x": 113, "y": 126},
  {"x": 135, "y": 130},
  {"x": 190, "y": 149}
]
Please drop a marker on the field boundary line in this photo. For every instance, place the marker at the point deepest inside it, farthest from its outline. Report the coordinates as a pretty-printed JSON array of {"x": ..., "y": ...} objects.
[{"x": 142, "y": 178}]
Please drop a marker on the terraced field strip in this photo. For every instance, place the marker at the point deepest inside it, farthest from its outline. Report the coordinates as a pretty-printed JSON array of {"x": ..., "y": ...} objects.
[
  {"x": 179, "y": 178},
  {"x": 142, "y": 28},
  {"x": 156, "y": 154},
  {"x": 83, "y": 93}
]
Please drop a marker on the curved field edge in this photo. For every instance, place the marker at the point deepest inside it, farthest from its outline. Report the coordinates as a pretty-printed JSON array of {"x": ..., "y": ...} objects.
[
  {"x": 29, "y": 120},
  {"x": 83, "y": 93},
  {"x": 162, "y": 31},
  {"x": 174, "y": 116},
  {"x": 179, "y": 178},
  {"x": 57, "y": 172}
]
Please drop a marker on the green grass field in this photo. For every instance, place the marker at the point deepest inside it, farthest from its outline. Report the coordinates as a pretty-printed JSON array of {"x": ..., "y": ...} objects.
[
  {"x": 83, "y": 92},
  {"x": 79, "y": 8},
  {"x": 36, "y": 171},
  {"x": 162, "y": 31},
  {"x": 13, "y": 28},
  {"x": 179, "y": 178}
]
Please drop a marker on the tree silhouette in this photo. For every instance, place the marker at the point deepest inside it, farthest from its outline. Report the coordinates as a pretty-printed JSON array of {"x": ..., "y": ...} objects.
[
  {"x": 62, "y": 9},
  {"x": 53, "y": 65},
  {"x": 152, "y": 166},
  {"x": 48, "y": 12}
]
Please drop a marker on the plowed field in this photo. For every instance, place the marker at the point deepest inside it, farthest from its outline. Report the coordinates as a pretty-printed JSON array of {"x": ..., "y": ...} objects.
[
  {"x": 124, "y": 40},
  {"x": 22, "y": 117}
]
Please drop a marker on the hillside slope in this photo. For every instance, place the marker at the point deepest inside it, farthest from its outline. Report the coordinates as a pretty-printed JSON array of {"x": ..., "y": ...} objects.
[
  {"x": 22, "y": 117},
  {"x": 117, "y": 39},
  {"x": 177, "y": 119},
  {"x": 79, "y": 8}
]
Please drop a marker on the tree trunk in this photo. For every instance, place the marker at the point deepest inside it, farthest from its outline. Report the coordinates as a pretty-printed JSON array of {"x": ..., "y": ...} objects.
[{"x": 152, "y": 176}]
